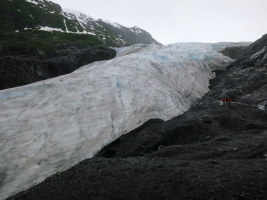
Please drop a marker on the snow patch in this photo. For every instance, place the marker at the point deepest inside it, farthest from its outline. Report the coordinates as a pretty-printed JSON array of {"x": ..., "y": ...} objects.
[
  {"x": 86, "y": 20},
  {"x": 263, "y": 105},
  {"x": 78, "y": 14},
  {"x": 32, "y": 1},
  {"x": 136, "y": 30},
  {"x": 67, "y": 30},
  {"x": 50, "y": 29},
  {"x": 117, "y": 25}
]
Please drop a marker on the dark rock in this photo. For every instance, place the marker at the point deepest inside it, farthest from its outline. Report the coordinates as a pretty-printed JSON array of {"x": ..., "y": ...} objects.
[
  {"x": 256, "y": 46},
  {"x": 161, "y": 147},
  {"x": 2, "y": 177},
  {"x": 246, "y": 51},
  {"x": 21, "y": 70},
  {"x": 233, "y": 52},
  {"x": 207, "y": 119},
  {"x": 150, "y": 179},
  {"x": 207, "y": 138}
]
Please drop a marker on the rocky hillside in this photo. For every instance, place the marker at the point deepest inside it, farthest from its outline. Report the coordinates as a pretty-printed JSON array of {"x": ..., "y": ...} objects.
[
  {"x": 234, "y": 52},
  {"x": 18, "y": 70},
  {"x": 242, "y": 50},
  {"x": 215, "y": 150},
  {"x": 32, "y": 56},
  {"x": 20, "y": 15},
  {"x": 40, "y": 40}
]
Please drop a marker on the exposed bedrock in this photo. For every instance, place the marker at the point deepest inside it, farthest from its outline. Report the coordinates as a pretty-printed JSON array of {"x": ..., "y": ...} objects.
[
  {"x": 233, "y": 52},
  {"x": 243, "y": 50},
  {"x": 21, "y": 70}
]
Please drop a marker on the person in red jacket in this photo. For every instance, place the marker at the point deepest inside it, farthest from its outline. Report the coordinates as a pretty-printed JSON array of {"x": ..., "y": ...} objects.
[{"x": 226, "y": 100}]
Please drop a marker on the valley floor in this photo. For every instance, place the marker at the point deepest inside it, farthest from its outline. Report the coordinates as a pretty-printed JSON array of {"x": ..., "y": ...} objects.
[{"x": 155, "y": 178}]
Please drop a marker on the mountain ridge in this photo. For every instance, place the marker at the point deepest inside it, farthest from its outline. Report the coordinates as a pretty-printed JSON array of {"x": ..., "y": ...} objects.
[
  {"x": 37, "y": 37},
  {"x": 20, "y": 15}
]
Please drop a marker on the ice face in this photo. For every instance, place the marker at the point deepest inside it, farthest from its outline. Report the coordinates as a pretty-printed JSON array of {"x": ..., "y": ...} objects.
[{"x": 49, "y": 126}]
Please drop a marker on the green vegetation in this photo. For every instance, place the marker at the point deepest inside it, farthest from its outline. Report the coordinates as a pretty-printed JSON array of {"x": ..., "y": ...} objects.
[
  {"x": 43, "y": 40},
  {"x": 16, "y": 15},
  {"x": 19, "y": 14},
  {"x": 20, "y": 21}
]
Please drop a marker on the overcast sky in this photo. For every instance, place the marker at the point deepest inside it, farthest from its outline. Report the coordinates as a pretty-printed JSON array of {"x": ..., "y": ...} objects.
[{"x": 171, "y": 21}]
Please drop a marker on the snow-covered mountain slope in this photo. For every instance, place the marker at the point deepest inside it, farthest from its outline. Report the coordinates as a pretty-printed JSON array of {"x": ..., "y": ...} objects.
[
  {"x": 109, "y": 31},
  {"x": 49, "y": 126},
  {"x": 20, "y": 15}
]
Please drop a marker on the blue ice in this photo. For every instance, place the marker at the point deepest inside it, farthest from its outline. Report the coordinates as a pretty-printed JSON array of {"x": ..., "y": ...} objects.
[{"x": 161, "y": 57}]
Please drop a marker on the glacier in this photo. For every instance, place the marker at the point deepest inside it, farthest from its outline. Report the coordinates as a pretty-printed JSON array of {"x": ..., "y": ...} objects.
[{"x": 49, "y": 126}]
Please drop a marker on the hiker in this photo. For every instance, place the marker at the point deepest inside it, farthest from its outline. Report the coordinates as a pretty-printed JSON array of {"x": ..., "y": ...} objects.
[{"x": 226, "y": 100}]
